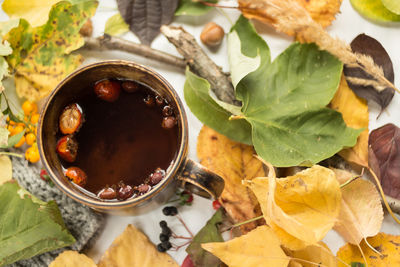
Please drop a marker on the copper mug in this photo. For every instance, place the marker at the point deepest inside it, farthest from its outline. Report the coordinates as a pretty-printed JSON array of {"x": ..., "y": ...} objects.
[{"x": 184, "y": 172}]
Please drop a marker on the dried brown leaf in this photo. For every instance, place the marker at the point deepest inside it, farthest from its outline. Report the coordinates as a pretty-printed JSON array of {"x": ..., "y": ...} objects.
[{"x": 234, "y": 162}]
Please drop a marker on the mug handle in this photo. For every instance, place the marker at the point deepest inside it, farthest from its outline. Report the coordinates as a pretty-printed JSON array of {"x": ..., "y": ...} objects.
[{"x": 197, "y": 179}]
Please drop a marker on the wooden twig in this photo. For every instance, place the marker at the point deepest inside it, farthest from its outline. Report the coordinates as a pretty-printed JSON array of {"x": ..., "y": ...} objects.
[
  {"x": 200, "y": 63},
  {"x": 107, "y": 42}
]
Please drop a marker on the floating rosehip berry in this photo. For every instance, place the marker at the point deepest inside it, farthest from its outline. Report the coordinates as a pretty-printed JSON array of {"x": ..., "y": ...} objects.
[
  {"x": 167, "y": 111},
  {"x": 107, "y": 90},
  {"x": 159, "y": 100},
  {"x": 168, "y": 122},
  {"x": 130, "y": 87},
  {"x": 143, "y": 188},
  {"x": 149, "y": 101},
  {"x": 157, "y": 176},
  {"x": 125, "y": 191},
  {"x": 71, "y": 119},
  {"x": 67, "y": 148},
  {"x": 107, "y": 193},
  {"x": 76, "y": 175}
]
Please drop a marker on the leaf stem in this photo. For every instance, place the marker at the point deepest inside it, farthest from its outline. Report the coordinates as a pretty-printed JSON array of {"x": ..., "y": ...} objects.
[
  {"x": 184, "y": 225},
  {"x": 236, "y": 117},
  {"x": 352, "y": 179},
  {"x": 248, "y": 221},
  {"x": 11, "y": 154},
  {"x": 378, "y": 183}
]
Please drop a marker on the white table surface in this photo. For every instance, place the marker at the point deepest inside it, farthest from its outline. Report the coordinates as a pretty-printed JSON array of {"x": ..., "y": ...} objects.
[{"x": 347, "y": 26}]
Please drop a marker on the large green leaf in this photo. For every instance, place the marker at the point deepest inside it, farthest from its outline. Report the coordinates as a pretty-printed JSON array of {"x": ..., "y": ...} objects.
[
  {"x": 374, "y": 10},
  {"x": 28, "y": 226},
  {"x": 209, "y": 233},
  {"x": 206, "y": 109},
  {"x": 285, "y": 104},
  {"x": 41, "y": 56}
]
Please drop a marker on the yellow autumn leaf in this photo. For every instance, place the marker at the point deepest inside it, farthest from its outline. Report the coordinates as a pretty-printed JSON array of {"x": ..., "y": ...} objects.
[
  {"x": 260, "y": 247},
  {"x": 34, "y": 11},
  {"x": 301, "y": 208},
  {"x": 361, "y": 213},
  {"x": 387, "y": 245},
  {"x": 5, "y": 169},
  {"x": 313, "y": 255},
  {"x": 133, "y": 249},
  {"x": 71, "y": 258},
  {"x": 355, "y": 114},
  {"x": 234, "y": 162},
  {"x": 321, "y": 11}
]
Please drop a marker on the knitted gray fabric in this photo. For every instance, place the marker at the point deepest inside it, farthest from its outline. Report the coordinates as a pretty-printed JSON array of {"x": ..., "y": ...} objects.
[{"x": 82, "y": 222}]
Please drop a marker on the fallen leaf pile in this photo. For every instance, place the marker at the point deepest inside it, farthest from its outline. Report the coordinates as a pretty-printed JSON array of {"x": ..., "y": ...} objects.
[
  {"x": 132, "y": 248},
  {"x": 234, "y": 162}
]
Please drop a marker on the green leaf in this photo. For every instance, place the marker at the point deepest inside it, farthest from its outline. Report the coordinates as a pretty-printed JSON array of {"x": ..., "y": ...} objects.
[
  {"x": 3, "y": 136},
  {"x": 246, "y": 50},
  {"x": 193, "y": 8},
  {"x": 204, "y": 107},
  {"x": 12, "y": 140},
  {"x": 392, "y": 5},
  {"x": 29, "y": 226},
  {"x": 285, "y": 104},
  {"x": 41, "y": 56},
  {"x": 374, "y": 10},
  {"x": 209, "y": 233},
  {"x": 116, "y": 25}
]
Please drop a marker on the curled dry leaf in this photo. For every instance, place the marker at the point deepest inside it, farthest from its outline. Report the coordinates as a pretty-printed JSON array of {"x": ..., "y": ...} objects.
[
  {"x": 301, "y": 208},
  {"x": 260, "y": 247},
  {"x": 361, "y": 82},
  {"x": 72, "y": 258},
  {"x": 387, "y": 245},
  {"x": 133, "y": 249},
  {"x": 361, "y": 212},
  {"x": 355, "y": 114},
  {"x": 145, "y": 17},
  {"x": 234, "y": 162},
  {"x": 316, "y": 254},
  {"x": 384, "y": 157},
  {"x": 323, "y": 12}
]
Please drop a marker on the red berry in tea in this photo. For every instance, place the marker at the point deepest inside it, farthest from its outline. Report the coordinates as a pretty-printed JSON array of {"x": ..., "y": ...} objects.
[
  {"x": 107, "y": 193},
  {"x": 130, "y": 86},
  {"x": 71, "y": 119},
  {"x": 67, "y": 148},
  {"x": 168, "y": 122},
  {"x": 76, "y": 175},
  {"x": 125, "y": 191},
  {"x": 107, "y": 90}
]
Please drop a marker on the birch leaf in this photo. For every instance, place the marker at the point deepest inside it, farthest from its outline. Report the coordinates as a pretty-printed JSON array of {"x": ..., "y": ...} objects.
[
  {"x": 40, "y": 227},
  {"x": 5, "y": 169},
  {"x": 387, "y": 245},
  {"x": 260, "y": 247},
  {"x": 234, "y": 162},
  {"x": 116, "y": 25},
  {"x": 193, "y": 8},
  {"x": 304, "y": 206},
  {"x": 71, "y": 258},
  {"x": 319, "y": 255},
  {"x": 133, "y": 249},
  {"x": 361, "y": 212},
  {"x": 355, "y": 114},
  {"x": 41, "y": 56}
]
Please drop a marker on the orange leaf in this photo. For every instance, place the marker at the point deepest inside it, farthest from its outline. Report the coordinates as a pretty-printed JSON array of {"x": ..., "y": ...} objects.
[
  {"x": 234, "y": 162},
  {"x": 355, "y": 114}
]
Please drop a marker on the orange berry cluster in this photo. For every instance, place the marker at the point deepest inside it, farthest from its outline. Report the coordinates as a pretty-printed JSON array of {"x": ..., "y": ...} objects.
[{"x": 29, "y": 124}]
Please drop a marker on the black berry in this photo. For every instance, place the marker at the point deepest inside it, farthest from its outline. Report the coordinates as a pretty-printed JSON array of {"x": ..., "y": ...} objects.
[
  {"x": 166, "y": 244},
  {"x": 164, "y": 237},
  {"x": 170, "y": 211},
  {"x": 166, "y": 231},
  {"x": 161, "y": 248},
  {"x": 163, "y": 224}
]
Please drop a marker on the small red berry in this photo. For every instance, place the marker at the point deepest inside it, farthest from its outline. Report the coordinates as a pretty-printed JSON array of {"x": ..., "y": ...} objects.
[
  {"x": 76, "y": 175},
  {"x": 107, "y": 193},
  {"x": 130, "y": 86},
  {"x": 216, "y": 204},
  {"x": 44, "y": 175},
  {"x": 107, "y": 90},
  {"x": 67, "y": 148}
]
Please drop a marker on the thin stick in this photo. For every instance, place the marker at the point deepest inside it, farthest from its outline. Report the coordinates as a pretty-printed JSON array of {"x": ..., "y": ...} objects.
[
  {"x": 107, "y": 42},
  {"x": 184, "y": 225},
  {"x": 11, "y": 154}
]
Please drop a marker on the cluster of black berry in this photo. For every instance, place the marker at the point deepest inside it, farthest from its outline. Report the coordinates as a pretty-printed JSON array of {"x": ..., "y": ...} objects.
[{"x": 164, "y": 237}]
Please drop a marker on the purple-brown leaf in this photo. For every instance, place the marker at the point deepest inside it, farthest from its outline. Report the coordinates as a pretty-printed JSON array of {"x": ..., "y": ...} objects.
[
  {"x": 384, "y": 157},
  {"x": 145, "y": 17},
  {"x": 364, "y": 44}
]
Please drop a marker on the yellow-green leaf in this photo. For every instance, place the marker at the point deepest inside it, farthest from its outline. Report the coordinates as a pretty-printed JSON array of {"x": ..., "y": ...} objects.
[
  {"x": 116, "y": 25},
  {"x": 5, "y": 169},
  {"x": 34, "y": 11},
  {"x": 374, "y": 10},
  {"x": 41, "y": 56}
]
